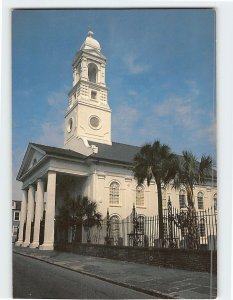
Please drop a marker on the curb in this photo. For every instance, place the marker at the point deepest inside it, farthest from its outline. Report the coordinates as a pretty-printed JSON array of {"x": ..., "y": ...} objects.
[{"x": 126, "y": 285}]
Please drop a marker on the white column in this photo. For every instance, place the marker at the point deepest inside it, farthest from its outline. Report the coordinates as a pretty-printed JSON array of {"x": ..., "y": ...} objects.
[
  {"x": 30, "y": 215},
  {"x": 50, "y": 213},
  {"x": 23, "y": 215},
  {"x": 38, "y": 213}
]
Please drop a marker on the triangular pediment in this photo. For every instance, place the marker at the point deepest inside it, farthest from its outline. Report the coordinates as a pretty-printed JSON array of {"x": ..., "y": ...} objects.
[
  {"x": 88, "y": 52},
  {"x": 94, "y": 52},
  {"x": 31, "y": 158}
]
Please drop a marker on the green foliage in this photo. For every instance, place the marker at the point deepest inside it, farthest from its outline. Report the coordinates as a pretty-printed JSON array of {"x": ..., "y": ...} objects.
[
  {"x": 77, "y": 212},
  {"x": 155, "y": 161},
  {"x": 190, "y": 172}
]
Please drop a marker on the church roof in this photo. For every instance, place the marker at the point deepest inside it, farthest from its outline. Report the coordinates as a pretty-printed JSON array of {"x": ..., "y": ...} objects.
[
  {"x": 117, "y": 152},
  {"x": 58, "y": 151}
]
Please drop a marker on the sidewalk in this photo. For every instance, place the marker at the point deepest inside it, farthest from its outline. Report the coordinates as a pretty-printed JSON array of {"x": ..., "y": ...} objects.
[{"x": 158, "y": 281}]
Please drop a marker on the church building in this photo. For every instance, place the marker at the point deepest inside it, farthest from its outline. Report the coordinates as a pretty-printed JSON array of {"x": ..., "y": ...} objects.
[{"x": 89, "y": 163}]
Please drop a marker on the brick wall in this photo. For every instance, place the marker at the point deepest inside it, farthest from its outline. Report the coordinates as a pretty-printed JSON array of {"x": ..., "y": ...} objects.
[{"x": 172, "y": 258}]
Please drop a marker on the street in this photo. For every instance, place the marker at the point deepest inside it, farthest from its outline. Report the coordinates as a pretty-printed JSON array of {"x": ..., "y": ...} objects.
[{"x": 36, "y": 279}]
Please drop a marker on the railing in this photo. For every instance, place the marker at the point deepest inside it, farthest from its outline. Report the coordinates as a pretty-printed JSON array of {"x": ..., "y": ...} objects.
[{"x": 182, "y": 229}]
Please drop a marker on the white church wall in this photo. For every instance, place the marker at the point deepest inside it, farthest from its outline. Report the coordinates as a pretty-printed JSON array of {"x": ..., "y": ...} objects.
[
  {"x": 101, "y": 133},
  {"x": 106, "y": 174},
  {"x": 99, "y": 186},
  {"x": 69, "y": 167}
]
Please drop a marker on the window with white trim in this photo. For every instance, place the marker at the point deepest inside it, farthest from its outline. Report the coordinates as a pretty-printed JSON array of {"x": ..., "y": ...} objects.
[
  {"x": 141, "y": 224},
  {"x": 139, "y": 195},
  {"x": 200, "y": 200},
  {"x": 16, "y": 216},
  {"x": 114, "y": 193},
  {"x": 115, "y": 229},
  {"x": 182, "y": 199}
]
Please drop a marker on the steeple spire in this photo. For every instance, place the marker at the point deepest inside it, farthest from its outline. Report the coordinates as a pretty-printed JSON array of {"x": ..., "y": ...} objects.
[{"x": 88, "y": 115}]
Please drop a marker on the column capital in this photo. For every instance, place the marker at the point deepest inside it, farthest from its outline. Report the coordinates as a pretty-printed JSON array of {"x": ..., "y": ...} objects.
[
  {"x": 31, "y": 185},
  {"x": 25, "y": 189},
  {"x": 40, "y": 180},
  {"x": 50, "y": 172}
]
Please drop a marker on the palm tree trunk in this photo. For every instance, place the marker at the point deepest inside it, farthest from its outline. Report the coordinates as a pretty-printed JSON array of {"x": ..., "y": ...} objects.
[
  {"x": 160, "y": 210},
  {"x": 193, "y": 241}
]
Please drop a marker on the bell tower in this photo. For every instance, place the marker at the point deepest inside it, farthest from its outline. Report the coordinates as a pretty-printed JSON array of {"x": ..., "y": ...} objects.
[{"x": 88, "y": 115}]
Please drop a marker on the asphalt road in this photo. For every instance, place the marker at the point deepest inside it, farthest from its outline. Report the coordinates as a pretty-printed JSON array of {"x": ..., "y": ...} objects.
[{"x": 37, "y": 279}]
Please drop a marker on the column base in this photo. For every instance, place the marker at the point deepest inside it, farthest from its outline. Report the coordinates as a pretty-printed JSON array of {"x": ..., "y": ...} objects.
[
  {"x": 34, "y": 245},
  {"x": 18, "y": 243},
  {"x": 46, "y": 247},
  {"x": 25, "y": 244}
]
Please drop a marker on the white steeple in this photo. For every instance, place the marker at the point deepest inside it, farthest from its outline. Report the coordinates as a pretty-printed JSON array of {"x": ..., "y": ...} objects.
[{"x": 88, "y": 115}]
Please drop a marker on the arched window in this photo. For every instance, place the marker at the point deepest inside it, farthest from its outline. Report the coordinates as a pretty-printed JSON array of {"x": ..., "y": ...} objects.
[
  {"x": 115, "y": 229},
  {"x": 92, "y": 72},
  {"x": 200, "y": 200},
  {"x": 139, "y": 195},
  {"x": 114, "y": 193},
  {"x": 202, "y": 227},
  {"x": 182, "y": 199},
  {"x": 215, "y": 201},
  {"x": 141, "y": 224}
]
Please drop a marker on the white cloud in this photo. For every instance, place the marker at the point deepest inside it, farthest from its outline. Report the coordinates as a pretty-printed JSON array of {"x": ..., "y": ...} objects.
[
  {"x": 133, "y": 66},
  {"x": 48, "y": 132},
  {"x": 123, "y": 122},
  {"x": 57, "y": 100},
  {"x": 51, "y": 130},
  {"x": 52, "y": 134},
  {"x": 132, "y": 93},
  {"x": 208, "y": 133},
  {"x": 194, "y": 90},
  {"x": 180, "y": 109}
]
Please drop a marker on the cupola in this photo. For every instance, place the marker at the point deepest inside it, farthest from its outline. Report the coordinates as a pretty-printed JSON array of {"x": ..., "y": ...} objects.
[{"x": 90, "y": 42}]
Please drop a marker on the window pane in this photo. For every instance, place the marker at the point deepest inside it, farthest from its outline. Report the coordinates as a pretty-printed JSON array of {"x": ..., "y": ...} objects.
[
  {"x": 139, "y": 195},
  {"x": 114, "y": 193},
  {"x": 182, "y": 199},
  {"x": 141, "y": 224},
  {"x": 16, "y": 216},
  {"x": 115, "y": 229}
]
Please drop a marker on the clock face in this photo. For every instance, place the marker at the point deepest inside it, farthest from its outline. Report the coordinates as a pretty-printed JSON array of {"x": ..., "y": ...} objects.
[{"x": 95, "y": 122}]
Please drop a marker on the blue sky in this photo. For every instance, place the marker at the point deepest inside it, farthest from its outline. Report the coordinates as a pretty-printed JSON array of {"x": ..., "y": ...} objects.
[{"x": 160, "y": 74}]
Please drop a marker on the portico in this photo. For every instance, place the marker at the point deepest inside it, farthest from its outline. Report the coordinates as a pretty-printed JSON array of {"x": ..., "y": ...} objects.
[
  {"x": 44, "y": 185},
  {"x": 33, "y": 206}
]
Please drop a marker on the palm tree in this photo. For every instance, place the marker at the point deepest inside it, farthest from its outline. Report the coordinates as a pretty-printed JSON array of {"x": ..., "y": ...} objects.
[
  {"x": 77, "y": 212},
  {"x": 189, "y": 173},
  {"x": 92, "y": 217},
  {"x": 155, "y": 161}
]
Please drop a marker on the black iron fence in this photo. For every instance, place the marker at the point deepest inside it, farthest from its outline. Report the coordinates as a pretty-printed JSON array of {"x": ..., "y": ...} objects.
[{"x": 181, "y": 229}]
